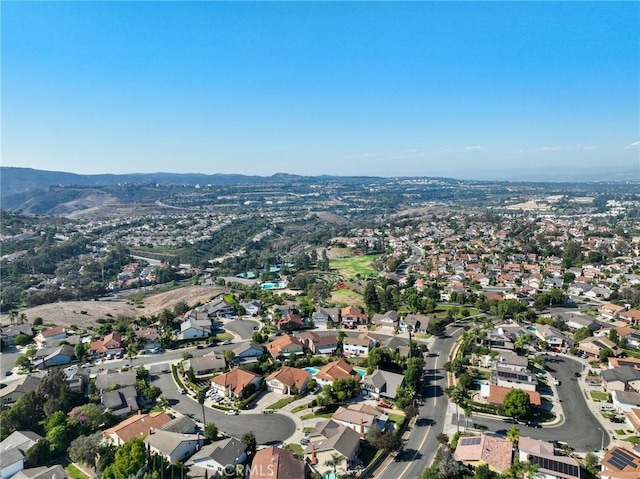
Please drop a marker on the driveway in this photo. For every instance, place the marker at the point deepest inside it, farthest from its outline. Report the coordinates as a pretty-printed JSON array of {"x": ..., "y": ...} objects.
[
  {"x": 580, "y": 428},
  {"x": 268, "y": 428},
  {"x": 242, "y": 327}
]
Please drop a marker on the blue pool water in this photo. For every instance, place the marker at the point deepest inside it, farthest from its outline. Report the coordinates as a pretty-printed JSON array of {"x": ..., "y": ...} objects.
[
  {"x": 313, "y": 371},
  {"x": 279, "y": 285},
  {"x": 531, "y": 328},
  {"x": 361, "y": 372}
]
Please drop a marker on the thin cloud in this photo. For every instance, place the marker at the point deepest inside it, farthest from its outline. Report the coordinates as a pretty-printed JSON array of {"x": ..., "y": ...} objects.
[
  {"x": 635, "y": 144},
  {"x": 473, "y": 148}
]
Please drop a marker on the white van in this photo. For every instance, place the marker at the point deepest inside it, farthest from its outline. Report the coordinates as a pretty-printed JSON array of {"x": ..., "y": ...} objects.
[{"x": 607, "y": 407}]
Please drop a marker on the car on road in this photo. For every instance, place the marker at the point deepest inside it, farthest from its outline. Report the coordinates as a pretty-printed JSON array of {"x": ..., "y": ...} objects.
[
  {"x": 510, "y": 420},
  {"x": 182, "y": 391},
  {"x": 533, "y": 424},
  {"x": 556, "y": 381},
  {"x": 577, "y": 375},
  {"x": 227, "y": 342},
  {"x": 231, "y": 412},
  {"x": 86, "y": 365}
]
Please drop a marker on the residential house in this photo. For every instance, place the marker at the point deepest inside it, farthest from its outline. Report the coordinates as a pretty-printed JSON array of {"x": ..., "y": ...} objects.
[
  {"x": 43, "y": 472},
  {"x": 610, "y": 310},
  {"x": 494, "y": 451},
  {"x": 195, "y": 328},
  {"x": 219, "y": 308},
  {"x": 619, "y": 463},
  {"x": 633, "y": 420},
  {"x": 288, "y": 380},
  {"x": 617, "y": 362},
  {"x": 252, "y": 307},
  {"x": 206, "y": 365},
  {"x": 276, "y": 463},
  {"x": 578, "y": 321},
  {"x": 339, "y": 369},
  {"x": 8, "y": 333},
  {"x": 511, "y": 360},
  {"x": 382, "y": 384},
  {"x": 237, "y": 383},
  {"x": 284, "y": 345},
  {"x": 111, "y": 379},
  {"x": 214, "y": 459},
  {"x": 360, "y": 417},
  {"x": 552, "y": 336},
  {"x": 110, "y": 346},
  {"x": 182, "y": 425},
  {"x": 350, "y": 317},
  {"x": 173, "y": 446},
  {"x": 631, "y": 316},
  {"x": 496, "y": 340},
  {"x": 247, "y": 352},
  {"x": 494, "y": 394},
  {"x": 359, "y": 346},
  {"x": 57, "y": 332},
  {"x": 623, "y": 378},
  {"x": 625, "y": 401},
  {"x": 330, "y": 437},
  {"x": 290, "y": 320},
  {"x": 550, "y": 465},
  {"x": 513, "y": 379},
  {"x": 322, "y": 316},
  {"x": 319, "y": 344},
  {"x": 17, "y": 388},
  {"x": 14, "y": 449},
  {"x": 48, "y": 357},
  {"x": 120, "y": 402},
  {"x": 150, "y": 339},
  {"x": 418, "y": 323},
  {"x": 135, "y": 426},
  {"x": 592, "y": 346},
  {"x": 387, "y": 321},
  {"x": 394, "y": 343}
]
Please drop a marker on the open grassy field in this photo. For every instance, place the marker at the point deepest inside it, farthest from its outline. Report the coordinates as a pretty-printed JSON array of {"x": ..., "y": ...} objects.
[
  {"x": 350, "y": 267},
  {"x": 347, "y": 297}
]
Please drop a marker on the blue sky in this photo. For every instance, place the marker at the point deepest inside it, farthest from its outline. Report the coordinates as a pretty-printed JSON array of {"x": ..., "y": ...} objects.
[{"x": 391, "y": 89}]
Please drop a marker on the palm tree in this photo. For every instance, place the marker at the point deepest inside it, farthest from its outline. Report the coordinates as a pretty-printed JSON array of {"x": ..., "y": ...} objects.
[
  {"x": 513, "y": 434},
  {"x": 529, "y": 470},
  {"x": 467, "y": 414},
  {"x": 334, "y": 461},
  {"x": 456, "y": 394},
  {"x": 202, "y": 395}
]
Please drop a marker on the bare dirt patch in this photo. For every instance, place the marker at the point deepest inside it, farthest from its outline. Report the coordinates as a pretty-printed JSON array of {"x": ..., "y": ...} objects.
[{"x": 84, "y": 314}]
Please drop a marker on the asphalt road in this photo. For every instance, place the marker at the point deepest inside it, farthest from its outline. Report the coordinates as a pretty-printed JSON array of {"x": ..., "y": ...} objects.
[
  {"x": 422, "y": 444},
  {"x": 242, "y": 327},
  {"x": 580, "y": 429},
  {"x": 268, "y": 428}
]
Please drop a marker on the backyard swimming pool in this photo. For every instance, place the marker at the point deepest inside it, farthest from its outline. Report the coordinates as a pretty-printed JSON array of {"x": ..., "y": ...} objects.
[{"x": 313, "y": 371}]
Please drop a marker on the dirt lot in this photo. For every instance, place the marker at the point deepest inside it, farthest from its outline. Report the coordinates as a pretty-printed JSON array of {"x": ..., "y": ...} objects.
[{"x": 84, "y": 314}]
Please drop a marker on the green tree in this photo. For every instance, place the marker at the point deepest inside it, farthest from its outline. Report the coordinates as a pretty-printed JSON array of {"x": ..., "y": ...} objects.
[
  {"x": 388, "y": 442},
  {"x": 456, "y": 395},
  {"x": 516, "y": 404},
  {"x": 129, "y": 459},
  {"x": 38, "y": 454},
  {"x": 249, "y": 440},
  {"x": 371, "y": 300},
  {"x": 513, "y": 434},
  {"x": 581, "y": 334},
  {"x": 211, "y": 431},
  {"x": 483, "y": 472},
  {"x": 84, "y": 449},
  {"x": 604, "y": 354},
  {"x": 22, "y": 340},
  {"x": 201, "y": 396}
]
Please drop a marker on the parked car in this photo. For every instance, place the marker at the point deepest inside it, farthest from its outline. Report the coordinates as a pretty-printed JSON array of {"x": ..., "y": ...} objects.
[
  {"x": 509, "y": 420},
  {"x": 231, "y": 412},
  {"x": 182, "y": 391},
  {"x": 533, "y": 424},
  {"x": 384, "y": 405},
  {"x": 556, "y": 381}
]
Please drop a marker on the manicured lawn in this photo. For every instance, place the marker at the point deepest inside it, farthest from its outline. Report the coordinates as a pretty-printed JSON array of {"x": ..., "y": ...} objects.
[
  {"x": 73, "y": 472},
  {"x": 302, "y": 407},
  {"x": 312, "y": 415},
  {"x": 397, "y": 418},
  {"x": 599, "y": 396},
  {"x": 632, "y": 439},
  {"x": 620, "y": 432},
  {"x": 281, "y": 403},
  {"x": 224, "y": 336},
  {"x": 350, "y": 267},
  {"x": 296, "y": 449}
]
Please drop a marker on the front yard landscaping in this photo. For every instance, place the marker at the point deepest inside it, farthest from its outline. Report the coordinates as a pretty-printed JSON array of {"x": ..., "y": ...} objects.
[
  {"x": 600, "y": 396},
  {"x": 281, "y": 403}
]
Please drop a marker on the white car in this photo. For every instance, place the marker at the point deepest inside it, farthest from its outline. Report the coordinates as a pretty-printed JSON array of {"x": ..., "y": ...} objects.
[{"x": 231, "y": 412}]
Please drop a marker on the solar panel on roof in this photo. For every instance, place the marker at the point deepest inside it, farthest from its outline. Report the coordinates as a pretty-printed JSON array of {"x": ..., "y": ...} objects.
[
  {"x": 622, "y": 459},
  {"x": 470, "y": 441},
  {"x": 556, "y": 466}
]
